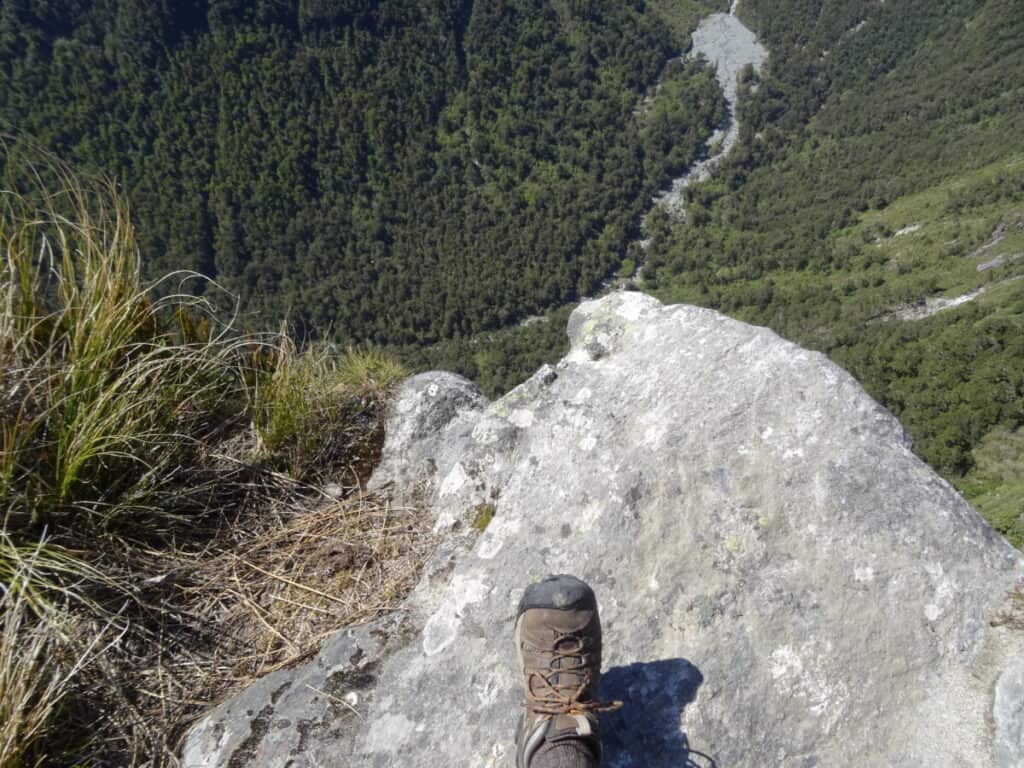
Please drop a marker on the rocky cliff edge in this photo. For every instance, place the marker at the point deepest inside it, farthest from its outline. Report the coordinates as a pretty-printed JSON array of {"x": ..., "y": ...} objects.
[{"x": 782, "y": 582}]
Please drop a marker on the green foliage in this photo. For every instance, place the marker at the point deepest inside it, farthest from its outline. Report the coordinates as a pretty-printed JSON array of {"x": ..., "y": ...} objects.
[
  {"x": 682, "y": 16},
  {"x": 951, "y": 378},
  {"x": 398, "y": 172},
  {"x": 670, "y": 136},
  {"x": 314, "y": 413},
  {"x": 995, "y": 485},
  {"x": 499, "y": 360},
  {"x": 879, "y": 165},
  {"x": 101, "y": 403},
  {"x": 483, "y": 517},
  {"x": 627, "y": 270}
]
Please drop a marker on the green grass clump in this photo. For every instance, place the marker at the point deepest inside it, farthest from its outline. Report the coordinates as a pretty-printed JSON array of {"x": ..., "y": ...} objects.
[
  {"x": 142, "y": 437},
  {"x": 317, "y": 410},
  {"x": 102, "y": 401}
]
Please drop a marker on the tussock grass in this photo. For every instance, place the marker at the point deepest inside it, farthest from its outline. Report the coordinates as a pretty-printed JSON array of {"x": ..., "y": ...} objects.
[
  {"x": 31, "y": 684},
  {"x": 159, "y": 487},
  {"x": 103, "y": 402},
  {"x": 316, "y": 408},
  {"x": 36, "y": 672}
]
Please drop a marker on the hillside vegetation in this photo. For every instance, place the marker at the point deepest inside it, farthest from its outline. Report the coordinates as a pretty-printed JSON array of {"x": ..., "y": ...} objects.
[
  {"x": 428, "y": 176},
  {"x": 397, "y": 172},
  {"x": 881, "y": 164},
  {"x": 879, "y": 174}
]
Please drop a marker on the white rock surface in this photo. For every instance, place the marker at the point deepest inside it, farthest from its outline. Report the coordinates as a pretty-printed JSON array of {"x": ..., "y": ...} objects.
[{"x": 782, "y": 582}]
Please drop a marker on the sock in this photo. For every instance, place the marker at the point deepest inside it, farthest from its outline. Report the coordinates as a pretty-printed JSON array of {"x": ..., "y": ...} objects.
[{"x": 564, "y": 754}]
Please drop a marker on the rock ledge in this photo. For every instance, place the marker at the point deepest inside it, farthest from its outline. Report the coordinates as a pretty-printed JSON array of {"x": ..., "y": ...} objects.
[{"x": 782, "y": 582}]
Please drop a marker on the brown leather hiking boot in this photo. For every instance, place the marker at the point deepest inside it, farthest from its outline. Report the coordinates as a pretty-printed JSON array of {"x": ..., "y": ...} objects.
[{"x": 558, "y": 635}]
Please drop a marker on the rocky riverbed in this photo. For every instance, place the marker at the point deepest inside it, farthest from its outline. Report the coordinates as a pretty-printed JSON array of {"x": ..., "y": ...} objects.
[{"x": 725, "y": 42}]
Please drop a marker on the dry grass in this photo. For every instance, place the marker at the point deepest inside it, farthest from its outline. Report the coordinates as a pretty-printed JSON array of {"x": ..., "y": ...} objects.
[
  {"x": 37, "y": 670},
  {"x": 346, "y": 562},
  {"x": 31, "y": 684},
  {"x": 163, "y": 535},
  {"x": 1012, "y": 614},
  {"x": 262, "y": 596}
]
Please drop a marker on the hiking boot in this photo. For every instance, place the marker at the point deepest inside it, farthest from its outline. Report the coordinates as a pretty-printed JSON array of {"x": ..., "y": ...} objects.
[{"x": 558, "y": 636}]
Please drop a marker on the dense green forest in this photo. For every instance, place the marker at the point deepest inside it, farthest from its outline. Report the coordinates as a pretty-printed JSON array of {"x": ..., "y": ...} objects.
[
  {"x": 881, "y": 165},
  {"x": 392, "y": 172},
  {"x": 428, "y": 176}
]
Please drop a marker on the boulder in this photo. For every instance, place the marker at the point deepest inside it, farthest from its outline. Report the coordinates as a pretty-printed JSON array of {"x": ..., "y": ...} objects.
[
  {"x": 416, "y": 431},
  {"x": 782, "y": 581}
]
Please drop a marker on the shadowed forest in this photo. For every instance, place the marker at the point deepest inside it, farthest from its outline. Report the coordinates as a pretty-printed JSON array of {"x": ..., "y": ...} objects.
[{"x": 397, "y": 172}]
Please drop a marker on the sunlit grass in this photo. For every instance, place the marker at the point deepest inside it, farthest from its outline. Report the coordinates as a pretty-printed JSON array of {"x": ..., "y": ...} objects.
[
  {"x": 102, "y": 400},
  {"x": 996, "y": 484},
  {"x": 135, "y": 429},
  {"x": 315, "y": 408},
  {"x": 39, "y": 660}
]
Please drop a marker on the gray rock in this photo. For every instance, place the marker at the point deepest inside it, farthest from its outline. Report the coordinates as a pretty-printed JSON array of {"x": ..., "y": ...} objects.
[
  {"x": 303, "y": 717},
  {"x": 425, "y": 408},
  {"x": 1008, "y": 713},
  {"x": 782, "y": 582}
]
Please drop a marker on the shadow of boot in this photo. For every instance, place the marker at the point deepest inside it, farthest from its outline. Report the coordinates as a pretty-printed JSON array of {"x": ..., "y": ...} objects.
[{"x": 647, "y": 732}]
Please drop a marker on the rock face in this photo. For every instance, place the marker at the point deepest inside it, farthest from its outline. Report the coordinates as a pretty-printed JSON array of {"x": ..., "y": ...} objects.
[{"x": 782, "y": 582}]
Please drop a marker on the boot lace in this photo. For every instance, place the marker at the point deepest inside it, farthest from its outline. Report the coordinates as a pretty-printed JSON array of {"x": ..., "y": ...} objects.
[{"x": 558, "y": 688}]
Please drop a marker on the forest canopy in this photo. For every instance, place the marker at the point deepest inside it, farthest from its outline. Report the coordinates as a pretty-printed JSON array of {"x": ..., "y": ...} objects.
[{"x": 392, "y": 172}]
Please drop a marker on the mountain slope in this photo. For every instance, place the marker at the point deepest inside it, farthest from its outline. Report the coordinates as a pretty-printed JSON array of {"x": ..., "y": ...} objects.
[
  {"x": 881, "y": 166},
  {"x": 395, "y": 172}
]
